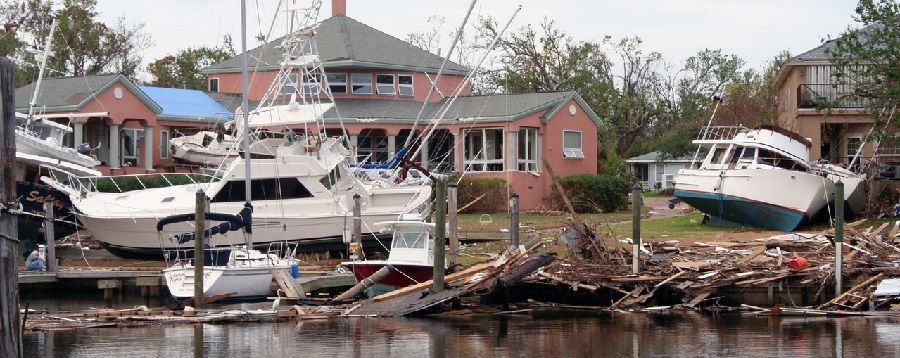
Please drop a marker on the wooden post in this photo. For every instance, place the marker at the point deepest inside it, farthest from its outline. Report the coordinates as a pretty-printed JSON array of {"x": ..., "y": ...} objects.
[
  {"x": 199, "y": 220},
  {"x": 453, "y": 222},
  {"x": 49, "y": 236},
  {"x": 636, "y": 229},
  {"x": 440, "y": 225},
  {"x": 838, "y": 237},
  {"x": 514, "y": 221},
  {"x": 356, "y": 244},
  {"x": 10, "y": 324}
]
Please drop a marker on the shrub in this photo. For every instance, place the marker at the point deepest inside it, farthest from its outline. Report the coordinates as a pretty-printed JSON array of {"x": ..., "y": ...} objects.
[
  {"x": 493, "y": 189},
  {"x": 594, "y": 193}
]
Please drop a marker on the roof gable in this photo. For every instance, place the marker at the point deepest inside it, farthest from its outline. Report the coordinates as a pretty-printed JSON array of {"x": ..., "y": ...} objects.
[
  {"x": 345, "y": 42},
  {"x": 70, "y": 93}
]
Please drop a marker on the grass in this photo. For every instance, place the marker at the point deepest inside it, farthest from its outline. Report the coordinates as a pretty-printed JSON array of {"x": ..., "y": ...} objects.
[
  {"x": 497, "y": 221},
  {"x": 677, "y": 227}
]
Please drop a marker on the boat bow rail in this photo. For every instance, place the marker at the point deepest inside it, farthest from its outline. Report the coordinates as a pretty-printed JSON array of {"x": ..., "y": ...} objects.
[{"x": 73, "y": 184}]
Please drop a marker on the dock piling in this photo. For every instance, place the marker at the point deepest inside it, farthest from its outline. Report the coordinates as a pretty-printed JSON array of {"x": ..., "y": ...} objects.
[
  {"x": 50, "y": 237},
  {"x": 453, "y": 224},
  {"x": 838, "y": 237},
  {"x": 440, "y": 225},
  {"x": 199, "y": 259},
  {"x": 10, "y": 323},
  {"x": 636, "y": 228},
  {"x": 356, "y": 242},
  {"x": 514, "y": 220}
]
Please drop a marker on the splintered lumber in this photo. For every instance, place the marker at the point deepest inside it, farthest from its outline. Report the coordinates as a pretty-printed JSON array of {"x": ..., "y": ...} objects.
[
  {"x": 849, "y": 292},
  {"x": 209, "y": 299},
  {"x": 451, "y": 278},
  {"x": 287, "y": 284}
]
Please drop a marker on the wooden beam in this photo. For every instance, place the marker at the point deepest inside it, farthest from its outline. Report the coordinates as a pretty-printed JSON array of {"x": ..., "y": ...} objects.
[{"x": 10, "y": 324}]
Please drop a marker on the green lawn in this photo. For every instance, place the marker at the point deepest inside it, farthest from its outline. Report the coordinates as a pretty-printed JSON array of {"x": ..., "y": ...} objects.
[
  {"x": 496, "y": 221},
  {"x": 674, "y": 227}
]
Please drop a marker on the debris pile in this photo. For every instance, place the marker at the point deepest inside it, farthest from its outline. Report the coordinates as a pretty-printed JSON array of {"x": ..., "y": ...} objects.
[{"x": 698, "y": 270}]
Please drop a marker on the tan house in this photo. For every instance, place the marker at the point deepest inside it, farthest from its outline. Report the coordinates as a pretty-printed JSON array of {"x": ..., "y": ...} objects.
[{"x": 804, "y": 83}]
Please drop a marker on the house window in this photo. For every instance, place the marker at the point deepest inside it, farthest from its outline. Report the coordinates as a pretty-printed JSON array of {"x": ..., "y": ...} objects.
[
  {"x": 405, "y": 85},
  {"x": 484, "y": 149},
  {"x": 164, "y": 144},
  {"x": 853, "y": 145},
  {"x": 290, "y": 84},
  {"x": 311, "y": 83},
  {"x": 362, "y": 83},
  {"x": 572, "y": 145},
  {"x": 372, "y": 146},
  {"x": 214, "y": 85},
  {"x": 337, "y": 82},
  {"x": 130, "y": 145},
  {"x": 527, "y": 159},
  {"x": 384, "y": 84}
]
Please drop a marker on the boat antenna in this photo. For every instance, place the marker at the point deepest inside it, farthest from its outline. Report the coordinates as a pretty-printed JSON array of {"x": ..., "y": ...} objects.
[
  {"x": 437, "y": 77},
  {"x": 245, "y": 113},
  {"x": 705, "y": 130},
  {"x": 37, "y": 85}
]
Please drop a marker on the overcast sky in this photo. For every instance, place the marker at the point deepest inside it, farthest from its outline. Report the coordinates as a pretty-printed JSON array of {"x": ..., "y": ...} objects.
[{"x": 755, "y": 30}]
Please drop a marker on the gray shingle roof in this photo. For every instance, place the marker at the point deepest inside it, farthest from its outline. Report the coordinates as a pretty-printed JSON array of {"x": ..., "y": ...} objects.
[
  {"x": 345, "y": 42},
  {"x": 821, "y": 52},
  {"x": 62, "y": 91}
]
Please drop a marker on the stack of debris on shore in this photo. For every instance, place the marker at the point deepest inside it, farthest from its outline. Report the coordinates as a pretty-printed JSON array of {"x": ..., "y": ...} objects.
[{"x": 697, "y": 271}]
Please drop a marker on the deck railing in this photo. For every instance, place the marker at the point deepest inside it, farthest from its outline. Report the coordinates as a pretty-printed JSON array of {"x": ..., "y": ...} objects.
[
  {"x": 720, "y": 132},
  {"x": 835, "y": 95}
]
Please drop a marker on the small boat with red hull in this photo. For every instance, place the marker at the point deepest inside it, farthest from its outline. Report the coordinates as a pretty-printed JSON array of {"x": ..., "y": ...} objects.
[{"x": 411, "y": 255}]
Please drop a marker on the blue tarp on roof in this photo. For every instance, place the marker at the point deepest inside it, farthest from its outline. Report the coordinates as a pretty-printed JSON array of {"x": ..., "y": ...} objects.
[{"x": 189, "y": 105}]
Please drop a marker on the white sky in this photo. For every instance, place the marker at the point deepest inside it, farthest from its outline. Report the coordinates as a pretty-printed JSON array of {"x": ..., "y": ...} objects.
[{"x": 755, "y": 30}]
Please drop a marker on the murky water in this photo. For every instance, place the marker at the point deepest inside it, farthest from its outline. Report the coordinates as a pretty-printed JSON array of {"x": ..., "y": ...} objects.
[{"x": 539, "y": 333}]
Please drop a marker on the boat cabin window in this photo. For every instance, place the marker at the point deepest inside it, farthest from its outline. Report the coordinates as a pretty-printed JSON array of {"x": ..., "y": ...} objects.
[
  {"x": 777, "y": 160},
  {"x": 717, "y": 155},
  {"x": 735, "y": 155},
  {"x": 333, "y": 177},
  {"x": 409, "y": 240},
  {"x": 263, "y": 189},
  {"x": 749, "y": 153}
]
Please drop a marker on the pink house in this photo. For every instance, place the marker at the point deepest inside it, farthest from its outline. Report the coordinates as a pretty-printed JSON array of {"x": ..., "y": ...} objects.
[
  {"x": 380, "y": 84},
  {"x": 129, "y": 126}
]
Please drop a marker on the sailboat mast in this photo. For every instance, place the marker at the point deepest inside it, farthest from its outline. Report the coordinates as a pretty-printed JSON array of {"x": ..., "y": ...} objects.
[
  {"x": 245, "y": 110},
  {"x": 37, "y": 85}
]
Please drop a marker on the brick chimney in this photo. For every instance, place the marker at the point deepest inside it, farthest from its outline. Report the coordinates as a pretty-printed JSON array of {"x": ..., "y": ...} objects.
[{"x": 338, "y": 7}]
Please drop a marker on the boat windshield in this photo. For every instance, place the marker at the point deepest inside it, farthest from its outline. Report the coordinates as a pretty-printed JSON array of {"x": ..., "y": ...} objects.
[{"x": 409, "y": 240}]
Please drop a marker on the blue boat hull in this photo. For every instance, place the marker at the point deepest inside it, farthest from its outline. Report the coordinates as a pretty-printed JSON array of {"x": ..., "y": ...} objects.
[{"x": 726, "y": 208}]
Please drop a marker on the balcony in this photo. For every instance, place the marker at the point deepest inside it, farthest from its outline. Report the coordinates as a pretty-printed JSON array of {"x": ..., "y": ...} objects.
[{"x": 836, "y": 95}]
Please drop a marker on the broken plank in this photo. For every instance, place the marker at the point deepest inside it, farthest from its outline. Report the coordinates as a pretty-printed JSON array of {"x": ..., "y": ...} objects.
[{"x": 865, "y": 283}]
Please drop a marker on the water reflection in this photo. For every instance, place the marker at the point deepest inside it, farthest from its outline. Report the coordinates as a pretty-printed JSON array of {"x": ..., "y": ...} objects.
[{"x": 548, "y": 333}]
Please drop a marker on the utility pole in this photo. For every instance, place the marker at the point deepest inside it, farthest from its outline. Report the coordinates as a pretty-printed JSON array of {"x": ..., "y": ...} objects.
[
  {"x": 838, "y": 237},
  {"x": 514, "y": 221},
  {"x": 10, "y": 324}
]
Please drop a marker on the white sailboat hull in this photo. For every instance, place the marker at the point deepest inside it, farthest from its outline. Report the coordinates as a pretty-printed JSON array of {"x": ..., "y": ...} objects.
[
  {"x": 50, "y": 149},
  {"x": 246, "y": 281}
]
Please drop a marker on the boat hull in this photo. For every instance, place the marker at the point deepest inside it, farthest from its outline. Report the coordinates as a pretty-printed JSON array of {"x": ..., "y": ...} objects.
[
  {"x": 767, "y": 199},
  {"x": 406, "y": 274},
  {"x": 246, "y": 281}
]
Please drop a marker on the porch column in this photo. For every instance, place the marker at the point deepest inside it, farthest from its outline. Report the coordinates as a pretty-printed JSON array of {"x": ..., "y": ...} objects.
[
  {"x": 354, "y": 143},
  {"x": 392, "y": 146},
  {"x": 423, "y": 159},
  {"x": 512, "y": 155},
  {"x": 148, "y": 147},
  {"x": 77, "y": 134},
  {"x": 457, "y": 153},
  {"x": 114, "y": 147}
]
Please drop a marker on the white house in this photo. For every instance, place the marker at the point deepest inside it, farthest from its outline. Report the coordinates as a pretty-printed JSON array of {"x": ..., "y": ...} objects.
[{"x": 655, "y": 172}]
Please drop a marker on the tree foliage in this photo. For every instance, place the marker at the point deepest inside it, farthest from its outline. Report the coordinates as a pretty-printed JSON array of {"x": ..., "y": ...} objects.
[
  {"x": 868, "y": 58},
  {"x": 183, "y": 69},
  {"x": 82, "y": 45}
]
